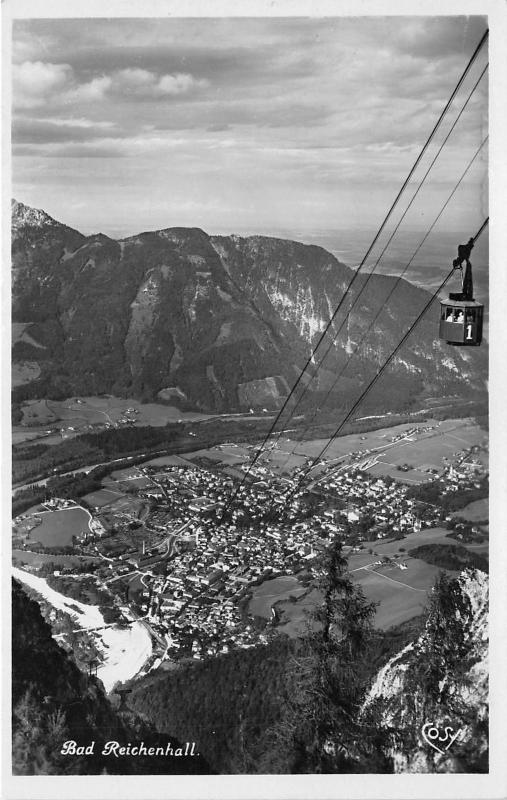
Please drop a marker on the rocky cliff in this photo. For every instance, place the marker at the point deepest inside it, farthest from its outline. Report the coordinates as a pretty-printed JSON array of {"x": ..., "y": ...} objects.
[
  {"x": 431, "y": 700},
  {"x": 223, "y": 322},
  {"x": 53, "y": 702}
]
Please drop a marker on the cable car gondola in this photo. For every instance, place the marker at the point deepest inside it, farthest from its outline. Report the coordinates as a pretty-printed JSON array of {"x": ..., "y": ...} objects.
[{"x": 461, "y": 316}]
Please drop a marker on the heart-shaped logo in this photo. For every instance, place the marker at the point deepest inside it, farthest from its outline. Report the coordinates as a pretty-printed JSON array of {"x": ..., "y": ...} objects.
[{"x": 439, "y": 738}]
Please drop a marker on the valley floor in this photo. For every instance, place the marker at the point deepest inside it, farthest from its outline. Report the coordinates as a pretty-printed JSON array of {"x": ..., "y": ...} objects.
[{"x": 189, "y": 581}]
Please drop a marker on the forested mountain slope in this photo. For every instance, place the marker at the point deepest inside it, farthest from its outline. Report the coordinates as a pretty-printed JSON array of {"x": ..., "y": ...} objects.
[
  {"x": 222, "y": 323},
  {"x": 53, "y": 702}
]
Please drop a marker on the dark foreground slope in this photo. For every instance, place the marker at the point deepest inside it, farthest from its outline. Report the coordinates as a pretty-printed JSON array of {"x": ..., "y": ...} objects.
[
  {"x": 219, "y": 323},
  {"x": 286, "y": 707},
  {"x": 230, "y": 703},
  {"x": 53, "y": 702}
]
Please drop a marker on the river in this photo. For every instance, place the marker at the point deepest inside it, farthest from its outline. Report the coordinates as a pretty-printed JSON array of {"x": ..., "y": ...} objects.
[{"x": 125, "y": 650}]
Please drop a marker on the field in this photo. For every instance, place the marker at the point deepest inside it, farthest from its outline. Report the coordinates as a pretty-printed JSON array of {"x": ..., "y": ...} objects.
[
  {"x": 390, "y": 548},
  {"x": 474, "y": 512},
  {"x": 422, "y": 451},
  {"x": 167, "y": 461},
  {"x": 24, "y": 371},
  {"x": 271, "y": 591},
  {"x": 134, "y": 585},
  {"x": 20, "y": 435},
  {"x": 394, "y": 607},
  {"x": 425, "y": 451},
  {"x": 102, "y": 497},
  {"x": 126, "y": 504},
  {"x": 224, "y": 455},
  {"x": 33, "y": 510},
  {"x": 282, "y": 460},
  {"x": 38, "y": 412},
  {"x": 352, "y": 442},
  {"x": 233, "y": 473},
  {"x": 58, "y": 527},
  {"x": 91, "y": 410},
  {"x": 401, "y": 594},
  {"x": 83, "y": 412},
  {"x": 221, "y": 455},
  {"x": 19, "y": 333},
  {"x": 52, "y": 419},
  {"x": 294, "y": 616}
]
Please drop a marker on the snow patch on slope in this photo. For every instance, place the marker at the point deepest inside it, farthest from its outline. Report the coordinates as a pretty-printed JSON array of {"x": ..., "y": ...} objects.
[
  {"x": 124, "y": 650},
  {"x": 25, "y": 215},
  {"x": 449, "y": 363},
  {"x": 300, "y": 311}
]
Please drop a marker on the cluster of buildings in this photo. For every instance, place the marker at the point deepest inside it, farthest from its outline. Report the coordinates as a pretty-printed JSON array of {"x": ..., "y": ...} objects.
[
  {"x": 373, "y": 507},
  {"x": 197, "y": 556},
  {"x": 465, "y": 470},
  {"x": 200, "y": 603}
]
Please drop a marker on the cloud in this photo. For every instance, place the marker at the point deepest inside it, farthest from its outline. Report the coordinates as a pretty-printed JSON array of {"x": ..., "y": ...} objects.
[
  {"x": 439, "y": 37},
  {"x": 36, "y": 131},
  {"x": 94, "y": 90},
  {"x": 259, "y": 108},
  {"x": 218, "y": 127},
  {"x": 179, "y": 83},
  {"x": 33, "y": 81},
  {"x": 142, "y": 83},
  {"x": 248, "y": 113},
  {"x": 225, "y": 52},
  {"x": 35, "y": 84},
  {"x": 78, "y": 151}
]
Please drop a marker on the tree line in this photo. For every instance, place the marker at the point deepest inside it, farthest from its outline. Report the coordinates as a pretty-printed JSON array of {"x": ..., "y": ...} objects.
[{"x": 290, "y": 705}]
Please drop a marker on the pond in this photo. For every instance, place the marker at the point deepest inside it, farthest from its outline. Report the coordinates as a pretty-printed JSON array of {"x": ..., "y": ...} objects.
[{"x": 58, "y": 527}]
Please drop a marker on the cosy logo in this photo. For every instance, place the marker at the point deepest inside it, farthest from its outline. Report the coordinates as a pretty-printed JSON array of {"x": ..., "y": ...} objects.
[{"x": 439, "y": 738}]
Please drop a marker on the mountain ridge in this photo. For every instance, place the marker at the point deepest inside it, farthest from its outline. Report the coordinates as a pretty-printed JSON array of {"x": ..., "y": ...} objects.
[
  {"x": 23, "y": 215},
  {"x": 227, "y": 322}
]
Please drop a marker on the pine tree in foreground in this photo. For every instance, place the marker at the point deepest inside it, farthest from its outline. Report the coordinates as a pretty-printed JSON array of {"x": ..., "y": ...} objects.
[{"x": 320, "y": 730}]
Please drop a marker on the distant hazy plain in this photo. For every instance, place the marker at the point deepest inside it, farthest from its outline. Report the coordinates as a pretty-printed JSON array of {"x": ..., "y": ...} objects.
[{"x": 426, "y": 269}]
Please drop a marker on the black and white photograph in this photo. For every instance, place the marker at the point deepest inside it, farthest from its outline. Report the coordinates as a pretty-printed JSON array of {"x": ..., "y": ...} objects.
[{"x": 247, "y": 484}]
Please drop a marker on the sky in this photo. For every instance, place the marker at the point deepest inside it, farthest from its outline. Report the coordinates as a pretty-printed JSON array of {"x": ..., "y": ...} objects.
[{"x": 243, "y": 125}]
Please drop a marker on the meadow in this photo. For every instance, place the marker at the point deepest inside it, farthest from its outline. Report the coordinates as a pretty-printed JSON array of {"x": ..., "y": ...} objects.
[
  {"x": 397, "y": 603},
  {"x": 421, "y": 452},
  {"x": 80, "y": 413},
  {"x": 102, "y": 497},
  {"x": 474, "y": 512},
  {"x": 23, "y": 372},
  {"x": 401, "y": 594},
  {"x": 167, "y": 461},
  {"x": 271, "y": 591},
  {"x": 294, "y": 617}
]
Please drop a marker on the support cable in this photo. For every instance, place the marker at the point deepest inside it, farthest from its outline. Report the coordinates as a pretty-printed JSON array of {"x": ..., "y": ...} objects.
[
  {"x": 363, "y": 287},
  {"x": 356, "y": 273},
  {"x": 378, "y": 374},
  {"x": 386, "y": 301}
]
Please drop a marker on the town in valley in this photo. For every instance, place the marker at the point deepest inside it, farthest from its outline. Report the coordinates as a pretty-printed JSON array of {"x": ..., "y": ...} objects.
[{"x": 207, "y": 551}]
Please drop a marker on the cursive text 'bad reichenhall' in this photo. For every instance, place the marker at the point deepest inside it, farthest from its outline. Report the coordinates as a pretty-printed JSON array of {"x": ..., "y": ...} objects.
[{"x": 71, "y": 748}]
